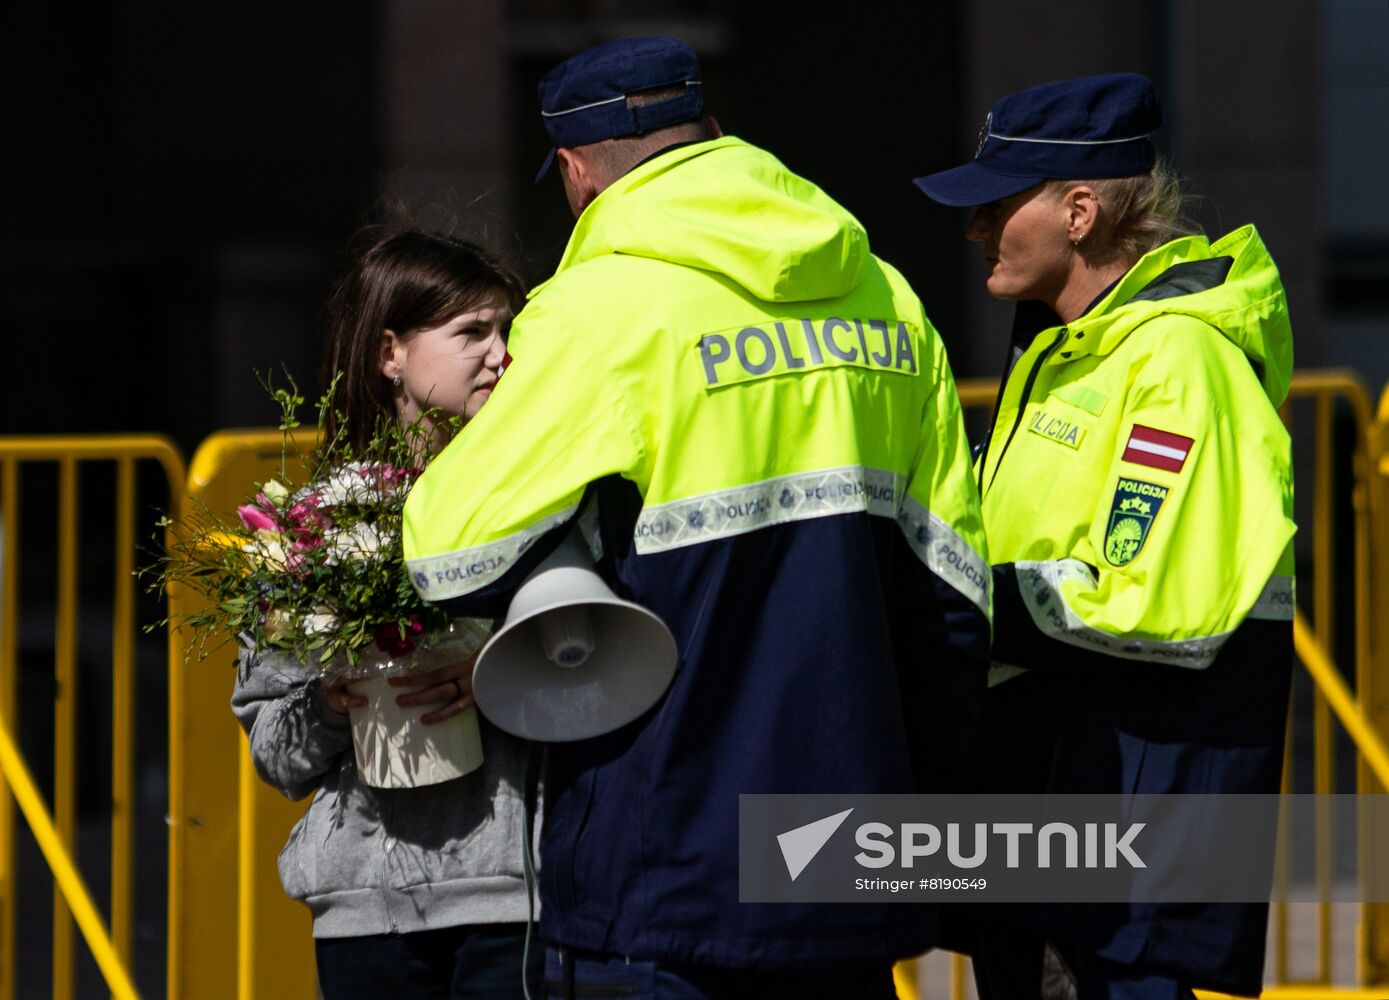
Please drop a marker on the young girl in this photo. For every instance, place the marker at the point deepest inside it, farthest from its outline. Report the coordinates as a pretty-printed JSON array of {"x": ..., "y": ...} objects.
[{"x": 415, "y": 892}]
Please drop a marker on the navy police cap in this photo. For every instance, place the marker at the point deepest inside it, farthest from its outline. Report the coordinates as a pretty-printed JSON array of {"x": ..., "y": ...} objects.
[
  {"x": 1091, "y": 127},
  {"x": 584, "y": 98}
]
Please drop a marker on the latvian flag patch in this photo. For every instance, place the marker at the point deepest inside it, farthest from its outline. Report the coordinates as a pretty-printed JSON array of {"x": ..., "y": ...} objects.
[{"x": 1159, "y": 449}]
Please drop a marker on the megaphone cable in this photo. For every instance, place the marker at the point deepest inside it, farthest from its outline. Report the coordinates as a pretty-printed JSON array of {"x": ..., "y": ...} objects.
[{"x": 534, "y": 756}]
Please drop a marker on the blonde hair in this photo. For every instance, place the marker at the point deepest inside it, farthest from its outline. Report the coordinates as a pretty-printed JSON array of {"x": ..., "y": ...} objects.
[{"x": 1142, "y": 212}]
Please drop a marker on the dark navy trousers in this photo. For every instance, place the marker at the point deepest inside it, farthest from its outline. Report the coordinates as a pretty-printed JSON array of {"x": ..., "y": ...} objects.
[{"x": 471, "y": 962}]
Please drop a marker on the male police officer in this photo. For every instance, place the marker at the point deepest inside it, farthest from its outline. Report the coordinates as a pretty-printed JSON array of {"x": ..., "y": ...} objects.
[{"x": 764, "y": 419}]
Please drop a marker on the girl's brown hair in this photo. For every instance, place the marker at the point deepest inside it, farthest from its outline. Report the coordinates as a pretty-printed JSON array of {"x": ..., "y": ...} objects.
[{"x": 406, "y": 282}]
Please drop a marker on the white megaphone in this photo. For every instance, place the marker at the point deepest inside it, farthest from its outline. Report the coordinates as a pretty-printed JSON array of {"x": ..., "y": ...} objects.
[{"x": 573, "y": 660}]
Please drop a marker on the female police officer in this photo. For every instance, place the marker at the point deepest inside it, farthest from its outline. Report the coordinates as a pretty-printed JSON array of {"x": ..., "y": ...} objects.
[{"x": 1137, "y": 503}]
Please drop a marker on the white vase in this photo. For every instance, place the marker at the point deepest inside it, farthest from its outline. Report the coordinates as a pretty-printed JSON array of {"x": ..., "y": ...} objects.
[{"x": 393, "y": 748}]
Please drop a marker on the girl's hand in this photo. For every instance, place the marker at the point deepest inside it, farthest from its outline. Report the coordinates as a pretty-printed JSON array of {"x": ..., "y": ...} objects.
[
  {"x": 340, "y": 699},
  {"x": 450, "y": 686}
]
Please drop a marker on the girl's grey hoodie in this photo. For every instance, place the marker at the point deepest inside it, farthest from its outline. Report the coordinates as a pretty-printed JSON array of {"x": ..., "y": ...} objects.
[{"x": 374, "y": 860}]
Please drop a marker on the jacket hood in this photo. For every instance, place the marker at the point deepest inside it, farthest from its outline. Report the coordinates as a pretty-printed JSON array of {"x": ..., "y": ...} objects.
[
  {"x": 732, "y": 209},
  {"x": 1232, "y": 284}
]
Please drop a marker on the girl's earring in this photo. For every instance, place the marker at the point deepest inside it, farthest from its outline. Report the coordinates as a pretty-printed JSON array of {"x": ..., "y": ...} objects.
[{"x": 396, "y": 381}]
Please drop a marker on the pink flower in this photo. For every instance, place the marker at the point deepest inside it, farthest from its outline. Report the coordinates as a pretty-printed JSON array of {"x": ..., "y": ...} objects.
[
  {"x": 262, "y": 515},
  {"x": 297, "y": 564},
  {"x": 305, "y": 514},
  {"x": 390, "y": 477},
  {"x": 307, "y": 524},
  {"x": 255, "y": 518}
]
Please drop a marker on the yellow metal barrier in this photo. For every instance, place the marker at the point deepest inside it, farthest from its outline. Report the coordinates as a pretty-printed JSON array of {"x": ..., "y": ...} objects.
[
  {"x": 232, "y": 931},
  {"x": 55, "y": 834},
  {"x": 1321, "y": 391}
]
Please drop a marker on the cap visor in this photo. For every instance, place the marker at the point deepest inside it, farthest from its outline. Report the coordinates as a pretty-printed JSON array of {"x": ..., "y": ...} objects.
[
  {"x": 971, "y": 184},
  {"x": 545, "y": 167}
]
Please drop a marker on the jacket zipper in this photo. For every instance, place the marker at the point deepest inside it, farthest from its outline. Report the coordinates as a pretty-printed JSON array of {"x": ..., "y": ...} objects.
[{"x": 1022, "y": 407}]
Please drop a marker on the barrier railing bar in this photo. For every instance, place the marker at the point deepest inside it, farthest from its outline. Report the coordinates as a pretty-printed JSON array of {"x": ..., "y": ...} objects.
[
  {"x": 1282, "y": 877},
  {"x": 1324, "y": 673},
  {"x": 154, "y": 447},
  {"x": 904, "y": 976},
  {"x": 1371, "y": 917},
  {"x": 123, "y": 714},
  {"x": 976, "y": 392},
  {"x": 9, "y": 660},
  {"x": 1342, "y": 381},
  {"x": 1364, "y": 644},
  {"x": 1323, "y": 738},
  {"x": 1282, "y": 873},
  {"x": 177, "y": 723},
  {"x": 245, "y": 882},
  {"x": 65, "y": 715},
  {"x": 958, "y": 967},
  {"x": 70, "y": 883},
  {"x": 57, "y": 448}
]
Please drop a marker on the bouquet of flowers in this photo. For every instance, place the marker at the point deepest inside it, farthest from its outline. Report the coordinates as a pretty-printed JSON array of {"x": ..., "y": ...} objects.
[{"x": 314, "y": 568}]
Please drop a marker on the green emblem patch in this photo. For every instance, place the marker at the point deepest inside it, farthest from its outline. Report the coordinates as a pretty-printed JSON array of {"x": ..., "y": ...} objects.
[{"x": 1136, "y": 505}]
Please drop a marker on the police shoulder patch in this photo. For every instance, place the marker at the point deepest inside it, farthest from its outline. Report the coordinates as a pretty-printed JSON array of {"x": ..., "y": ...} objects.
[{"x": 1131, "y": 515}]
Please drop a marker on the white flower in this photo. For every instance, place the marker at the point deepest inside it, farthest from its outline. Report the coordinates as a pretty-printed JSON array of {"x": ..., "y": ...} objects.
[
  {"x": 320, "y": 622},
  {"x": 275, "y": 491},
  {"x": 268, "y": 547},
  {"x": 361, "y": 541},
  {"x": 350, "y": 483}
]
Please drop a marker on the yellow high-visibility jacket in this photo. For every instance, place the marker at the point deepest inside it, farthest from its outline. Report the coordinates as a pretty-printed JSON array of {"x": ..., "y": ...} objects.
[
  {"x": 755, "y": 423},
  {"x": 1138, "y": 476},
  {"x": 1138, "y": 501}
]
